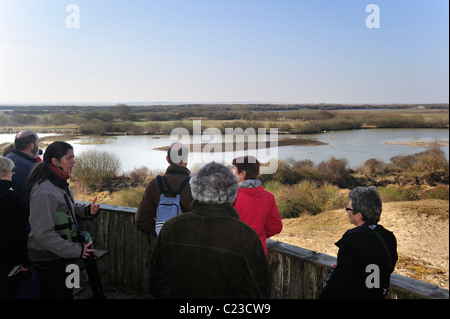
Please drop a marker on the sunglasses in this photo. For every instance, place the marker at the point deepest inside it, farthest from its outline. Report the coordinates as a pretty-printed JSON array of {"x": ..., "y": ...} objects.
[
  {"x": 349, "y": 209},
  {"x": 13, "y": 170}
]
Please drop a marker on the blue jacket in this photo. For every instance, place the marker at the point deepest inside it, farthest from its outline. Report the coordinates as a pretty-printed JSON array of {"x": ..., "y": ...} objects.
[{"x": 24, "y": 163}]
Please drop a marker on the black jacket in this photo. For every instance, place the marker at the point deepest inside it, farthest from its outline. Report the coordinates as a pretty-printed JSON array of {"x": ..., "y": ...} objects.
[
  {"x": 355, "y": 274},
  {"x": 13, "y": 237},
  {"x": 24, "y": 164},
  {"x": 209, "y": 253}
]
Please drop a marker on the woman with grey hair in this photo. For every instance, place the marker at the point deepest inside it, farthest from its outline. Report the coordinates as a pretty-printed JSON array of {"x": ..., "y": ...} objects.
[
  {"x": 367, "y": 253},
  {"x": 214, "y": 184},
  {"x": 209, "y": 253},
  {"x": 366, "y": 201}
]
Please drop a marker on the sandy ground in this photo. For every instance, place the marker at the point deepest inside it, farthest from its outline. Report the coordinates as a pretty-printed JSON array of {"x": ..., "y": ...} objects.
[{"x": 421, "y": 228}]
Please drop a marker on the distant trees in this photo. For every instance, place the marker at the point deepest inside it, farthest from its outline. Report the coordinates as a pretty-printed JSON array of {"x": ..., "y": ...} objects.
[
  {"x": 295, "y": 119},
  {"x": 123, "y": 112}
]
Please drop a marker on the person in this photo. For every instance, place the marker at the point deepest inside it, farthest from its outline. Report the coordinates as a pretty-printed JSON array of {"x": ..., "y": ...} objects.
[
  {"x": 51, "y": 208},
  {"x": 7, "y": 149},
  {"x": 24, "y": 155},
  {"x": 13, "y": 242},
  {"x": 176, "y": 173},
  {"x": 209, "y": 252},
  {"x": 256, "y": 206},
  {"x": 367, "y": 253},
  {"x": 26, "y": 146}
]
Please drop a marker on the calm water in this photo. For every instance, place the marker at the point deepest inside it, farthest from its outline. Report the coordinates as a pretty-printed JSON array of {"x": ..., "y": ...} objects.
[
  {"x": 357, "y": 146},
  {"x": 9, "y": 138}
]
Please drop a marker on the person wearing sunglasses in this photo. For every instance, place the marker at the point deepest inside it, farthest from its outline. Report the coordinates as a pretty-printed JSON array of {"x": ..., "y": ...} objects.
[{"x": 367, "y": 253}]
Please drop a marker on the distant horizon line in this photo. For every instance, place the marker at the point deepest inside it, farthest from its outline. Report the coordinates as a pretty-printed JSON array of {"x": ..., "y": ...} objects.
[{"x": 200, "y": 103}]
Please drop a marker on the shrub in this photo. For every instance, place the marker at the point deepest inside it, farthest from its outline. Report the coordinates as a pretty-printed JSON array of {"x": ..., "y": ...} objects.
[
  {"x": 95, "y": 169},
  {"x": 336, "y": 172},
  {"x": 373, "y": 167},
  {"x": 438, "y": 192},
  {"x": 272, "y": 186},
  {"x": 308, "y": 197},
  {"x": 433, "y": 164},
  {"x": 395, "y": 193},
  {"x": 130, "y": 197},
  {"x": 403, "y": 162},
  {"x": 139, "y": 175},
  {"x": 93, "y": 127}
]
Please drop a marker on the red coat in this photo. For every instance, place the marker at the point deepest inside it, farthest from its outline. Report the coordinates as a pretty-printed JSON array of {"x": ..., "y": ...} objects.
[{"x": 257, "y": 208}]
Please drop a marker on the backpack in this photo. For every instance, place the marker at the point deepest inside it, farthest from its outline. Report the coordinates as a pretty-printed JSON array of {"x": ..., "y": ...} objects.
[{"x": 169, "y": 206}]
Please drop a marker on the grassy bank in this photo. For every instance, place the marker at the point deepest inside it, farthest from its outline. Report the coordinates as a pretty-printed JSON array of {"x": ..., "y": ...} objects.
[{"x": 163, "y": 119}]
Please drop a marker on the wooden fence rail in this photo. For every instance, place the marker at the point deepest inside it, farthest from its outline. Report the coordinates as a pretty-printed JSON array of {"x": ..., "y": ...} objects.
[{"x": 295, "y": 272}]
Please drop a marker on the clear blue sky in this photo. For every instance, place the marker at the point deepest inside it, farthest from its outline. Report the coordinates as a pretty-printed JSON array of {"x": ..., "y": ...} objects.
[{"x": 274, "y": 51}]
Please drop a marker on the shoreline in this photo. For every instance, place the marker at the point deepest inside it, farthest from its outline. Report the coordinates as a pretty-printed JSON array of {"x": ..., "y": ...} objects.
[{"x": 420, "y": 144}]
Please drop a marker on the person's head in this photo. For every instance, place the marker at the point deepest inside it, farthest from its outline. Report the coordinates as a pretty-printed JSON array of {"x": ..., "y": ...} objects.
[
  {"x": 6, "y": 168},
  {"x": 27, "y": 142},
  {"x": 214, "y": 183},
  {"x": 7, "y": 149},
  {"x": 60, "y": 154},
  {"x": 245, "y": 167},
  {"x": 177, "y": 154},
  {"x": 364, "y": 206}
]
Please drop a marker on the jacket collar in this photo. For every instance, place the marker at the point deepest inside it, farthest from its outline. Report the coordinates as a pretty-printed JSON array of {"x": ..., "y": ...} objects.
[
  {"x": 58, "y": 182},
  {"x": 363, "y": 229},
  {"x": 24, "y": 155},
  {"x": 250, "y": 183},
  {"x": 214, "y": 210},
  {"x": 176, "y": 169}
]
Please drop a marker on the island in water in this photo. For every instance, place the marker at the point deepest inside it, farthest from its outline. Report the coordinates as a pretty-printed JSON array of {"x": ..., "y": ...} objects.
[{"x": 239, "y": 146}]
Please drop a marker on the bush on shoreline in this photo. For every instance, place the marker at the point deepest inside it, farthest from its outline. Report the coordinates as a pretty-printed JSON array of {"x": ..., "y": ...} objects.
[{"x": 299, "y": 187}]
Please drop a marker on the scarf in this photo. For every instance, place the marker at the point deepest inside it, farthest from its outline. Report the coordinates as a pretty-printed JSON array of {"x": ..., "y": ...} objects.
[{"x": 59, "y": 172}]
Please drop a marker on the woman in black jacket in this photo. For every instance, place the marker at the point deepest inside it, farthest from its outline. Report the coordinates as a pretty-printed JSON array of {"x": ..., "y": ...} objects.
[
  {"x": 13, "y": 241},
  {"x": 367, "y": 253}
]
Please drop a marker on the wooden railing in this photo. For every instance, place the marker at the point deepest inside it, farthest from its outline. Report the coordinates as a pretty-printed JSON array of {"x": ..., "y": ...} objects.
[{"x": 295, "y": 272}]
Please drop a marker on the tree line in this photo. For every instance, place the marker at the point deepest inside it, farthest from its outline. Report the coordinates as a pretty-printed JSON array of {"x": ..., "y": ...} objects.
[{"x": 161, "y": 119}]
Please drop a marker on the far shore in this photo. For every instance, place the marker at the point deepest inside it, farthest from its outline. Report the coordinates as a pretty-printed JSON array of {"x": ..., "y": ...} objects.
[{"x": 420, "y": 144}]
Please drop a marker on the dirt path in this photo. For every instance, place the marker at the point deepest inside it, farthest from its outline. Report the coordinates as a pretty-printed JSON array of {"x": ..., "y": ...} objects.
[{"x": 421, "y": 228}]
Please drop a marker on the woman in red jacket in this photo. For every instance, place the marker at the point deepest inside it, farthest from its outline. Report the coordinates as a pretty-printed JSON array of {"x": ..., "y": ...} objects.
[{"x": 256, "y": 206}]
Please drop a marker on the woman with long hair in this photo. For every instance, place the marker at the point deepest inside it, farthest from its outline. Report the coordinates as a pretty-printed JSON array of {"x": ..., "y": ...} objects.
[{"x": 54, "y": 238}]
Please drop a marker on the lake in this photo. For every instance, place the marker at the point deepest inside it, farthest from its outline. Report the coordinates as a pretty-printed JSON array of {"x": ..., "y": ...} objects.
[
  {"x": 357, "y": 146},
  {"x": 9, "y": 138}
]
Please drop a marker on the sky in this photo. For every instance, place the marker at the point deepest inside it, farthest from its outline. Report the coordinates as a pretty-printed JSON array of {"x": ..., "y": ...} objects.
[{"x": 224, "y": 51}]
